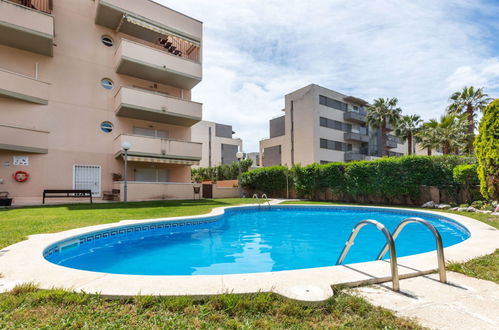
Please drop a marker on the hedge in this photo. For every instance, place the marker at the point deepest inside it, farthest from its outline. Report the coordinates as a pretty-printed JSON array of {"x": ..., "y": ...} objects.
[
  {"x": 385, "y": 179},
  {"x": 487, "y": 151},
  {"x": 269, "y": 180},
  {"x": 466, "y": 175},
  {"x": 222, "y": 172}
]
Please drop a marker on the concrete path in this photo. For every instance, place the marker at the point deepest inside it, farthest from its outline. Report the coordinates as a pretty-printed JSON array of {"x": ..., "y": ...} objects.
[{"x": 464, "y": 303}]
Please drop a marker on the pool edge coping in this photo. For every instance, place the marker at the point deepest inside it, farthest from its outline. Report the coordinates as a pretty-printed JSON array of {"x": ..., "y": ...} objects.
[{"x": 24, "y": 262}]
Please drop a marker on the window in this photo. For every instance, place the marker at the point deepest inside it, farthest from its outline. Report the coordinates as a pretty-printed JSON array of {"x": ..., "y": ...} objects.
[
  {"x": 107, "y": 40},
  {"x": 106, "y": 127},
  {"x": 151, "y": 175},
  {"x": 107, "y": 83},
  {"x": 334, "y": 124},
  {"x": 150, "y": 132},
  {"x": 332, "y": 103},
  {"x": 335, "y": 145}
]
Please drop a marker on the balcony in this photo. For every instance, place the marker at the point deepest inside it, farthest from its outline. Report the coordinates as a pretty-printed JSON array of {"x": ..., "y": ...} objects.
[
  {"x": 392, "y": 141},
  {"x": 27, "y": 28},
  {"x": 154, "y": 18},
  {"x": 21, "y": 87},
  {"x": 353, "y": 156},
  {"x": 150, "y": 63},
  {"x": 151, "y": 149},
  {"x": 356, "y": 137},
  {"x": 157, "y": 107},
  {"x": 355, "y": 117},
  {"x": 23, "y": 139}
]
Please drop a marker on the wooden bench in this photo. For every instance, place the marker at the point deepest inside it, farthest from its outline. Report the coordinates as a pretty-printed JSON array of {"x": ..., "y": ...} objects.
[{"x": 67, "y": 193}]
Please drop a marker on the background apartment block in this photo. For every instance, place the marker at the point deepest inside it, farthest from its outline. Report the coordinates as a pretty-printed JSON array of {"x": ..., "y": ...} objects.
[
  {"x": 321, "y": 125},
  {"x": 79, "y": 77},
  {"x": 219, "y": 145}
]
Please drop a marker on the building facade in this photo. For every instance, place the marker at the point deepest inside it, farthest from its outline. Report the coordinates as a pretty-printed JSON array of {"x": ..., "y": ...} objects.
[
  {"x": 320, "y": 125},
  {"x": 219, "y": 145},
  {"x": 80, "y": 77}
]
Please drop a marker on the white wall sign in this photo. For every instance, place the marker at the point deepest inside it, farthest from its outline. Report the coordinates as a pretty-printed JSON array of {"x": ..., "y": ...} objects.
[{"x": 21, "y": 160}]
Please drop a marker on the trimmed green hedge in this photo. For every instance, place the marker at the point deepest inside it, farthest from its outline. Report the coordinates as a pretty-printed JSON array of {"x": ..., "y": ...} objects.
[
  {"x": 466, "y": 175},
  {"x": 385, "y": 179},
  {"x": 487, "y": 151},
  {"x": 222, "y": 172},
  {"x": 269, "y": 180}
]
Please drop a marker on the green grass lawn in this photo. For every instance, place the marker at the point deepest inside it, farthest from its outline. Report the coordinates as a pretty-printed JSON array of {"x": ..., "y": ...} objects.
[
  {"x": 17, "y": 223},
  {"x": 486, "y": 267},
  {"x": 28, "y": 307}
]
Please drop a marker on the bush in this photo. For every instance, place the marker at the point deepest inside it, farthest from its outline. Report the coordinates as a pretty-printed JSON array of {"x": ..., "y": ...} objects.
[
  {"x": 222, "y": 172},
  {"x": 487, "y": 151},
  {"x": 268, "y": 180},
  {"x": 466, "y": 175}
]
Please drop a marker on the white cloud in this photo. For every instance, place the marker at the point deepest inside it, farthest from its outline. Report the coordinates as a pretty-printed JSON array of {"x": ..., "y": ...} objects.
[{"x": 255, "y": 52}]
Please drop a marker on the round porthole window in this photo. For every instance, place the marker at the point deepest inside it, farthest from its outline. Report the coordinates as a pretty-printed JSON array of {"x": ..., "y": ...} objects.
[
  {"x": 106, "y": 126},
  {"x": 107, "y": 83},
  {"x": 107, "y": 40}
]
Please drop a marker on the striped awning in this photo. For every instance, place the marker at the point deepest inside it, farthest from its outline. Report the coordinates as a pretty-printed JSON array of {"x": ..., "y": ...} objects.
[
  {"x": 157, "y": 29},
  {"x": 162, "y": 160}
]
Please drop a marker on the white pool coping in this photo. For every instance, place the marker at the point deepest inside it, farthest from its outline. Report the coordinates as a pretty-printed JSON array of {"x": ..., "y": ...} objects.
[{"x": 23, "y": 262}]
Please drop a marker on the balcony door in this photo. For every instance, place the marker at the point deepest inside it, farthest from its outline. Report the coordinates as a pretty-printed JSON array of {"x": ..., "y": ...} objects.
[
  {"x": 150, "y": 132},
  {"x": 87, "y": 177}
]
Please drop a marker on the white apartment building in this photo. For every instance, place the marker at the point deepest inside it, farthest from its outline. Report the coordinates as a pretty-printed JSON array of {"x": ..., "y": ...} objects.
[
  {"x": 320, "y": 125},
  {"x": 219, "y": 145}
]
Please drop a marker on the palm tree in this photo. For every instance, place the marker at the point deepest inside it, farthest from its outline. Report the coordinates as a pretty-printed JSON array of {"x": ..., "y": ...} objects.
[
  {"x": 427, "y": 136},
  {"x": 450, "y": 132},
  {"x": 406, "y": 128},
  {"x": 467, "y": 103},
  {"x": 381, "y": 113}
]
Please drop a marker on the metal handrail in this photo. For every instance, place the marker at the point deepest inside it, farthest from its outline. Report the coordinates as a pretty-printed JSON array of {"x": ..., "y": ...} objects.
[
  {"x": 389, "y": 241},
  {"x": 438, "y": 241},
  {"x": 255, "y": 196},
  {"x": 266, "y": 199}
]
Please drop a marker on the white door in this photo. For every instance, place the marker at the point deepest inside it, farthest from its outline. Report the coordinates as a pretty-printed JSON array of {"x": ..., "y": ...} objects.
[{"x": 87, "y": 177}]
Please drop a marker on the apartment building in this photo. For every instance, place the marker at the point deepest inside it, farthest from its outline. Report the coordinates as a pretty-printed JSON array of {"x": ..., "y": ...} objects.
[
  {"x": 321, "y": 125},
  {"x": 255, "y": 158},
  {"x": 80, "y": 77},
  {"x": 219, "y": 145}
]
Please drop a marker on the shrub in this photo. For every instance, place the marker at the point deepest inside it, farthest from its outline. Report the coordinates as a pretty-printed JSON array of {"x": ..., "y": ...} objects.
[
  {"x": 466, "y": 175},
  {"x": 269, "y": 180},
  {"x": 487, "y": 151},
  {"x": 222, "y": 172}
]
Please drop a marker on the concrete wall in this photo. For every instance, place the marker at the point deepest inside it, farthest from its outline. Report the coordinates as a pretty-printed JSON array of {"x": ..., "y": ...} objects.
[
  {"x": 223, "y": 192},
  {"x": 277, "y": 126},
  {"x": 142, "y": 191}
]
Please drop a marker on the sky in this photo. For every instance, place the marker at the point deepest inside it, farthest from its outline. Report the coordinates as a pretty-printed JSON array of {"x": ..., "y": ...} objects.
[{"x": 419, "y": 51}]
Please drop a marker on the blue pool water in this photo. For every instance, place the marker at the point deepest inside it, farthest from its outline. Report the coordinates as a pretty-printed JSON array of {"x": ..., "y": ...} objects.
[{"x": 248, "y": 240}]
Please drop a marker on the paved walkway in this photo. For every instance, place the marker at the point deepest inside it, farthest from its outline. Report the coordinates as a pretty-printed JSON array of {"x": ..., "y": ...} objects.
[{"x": 464, "y": 303}]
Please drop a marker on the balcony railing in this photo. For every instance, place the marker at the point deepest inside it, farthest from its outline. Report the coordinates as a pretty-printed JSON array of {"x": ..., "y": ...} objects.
[
  {"x": 45, "y": 6},
  {"x": 21, "y": 87},
  {"x": 158, "y": 107},
  {"x": 23, "y": 139},
  {"x": 155, "y": 64},
  {"x": 355, "y": 117},
  {"x": 350, "y": 136},
  {"x": 353, "y": 156},
  {"x": 157, "y": 148}
]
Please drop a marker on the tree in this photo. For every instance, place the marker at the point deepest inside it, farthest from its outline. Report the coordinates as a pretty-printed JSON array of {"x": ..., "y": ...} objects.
[
  {"x": 487, "y": 151},
  {"x": 381, "y": 113},
  {"x": 406, "y": 128},
  {"x": 467, "y": 103},
  {"x": 427, "y": 136},
  {"x": 451, "y": 134}
]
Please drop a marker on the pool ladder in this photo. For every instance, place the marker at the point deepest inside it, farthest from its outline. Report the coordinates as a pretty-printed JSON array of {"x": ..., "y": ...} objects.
[
  {"x": 390, "y": 245},
  {"x": 258, "y": 200}
]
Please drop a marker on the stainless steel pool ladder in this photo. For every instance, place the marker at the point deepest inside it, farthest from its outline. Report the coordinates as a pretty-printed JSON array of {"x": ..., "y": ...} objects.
[
  {"x": 438, "y": 240},
  {"x": 258, "y": 200},
  {"x": 390, "y": 245},
  {"x": 389, "y": 242}
]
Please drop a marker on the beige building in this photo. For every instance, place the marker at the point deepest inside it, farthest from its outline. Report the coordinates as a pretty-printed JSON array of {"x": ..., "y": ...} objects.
[
  {"x": 219, "y": 145},
  {"x": 80, "y": 77},
  {"x": 320, "y": 125}
]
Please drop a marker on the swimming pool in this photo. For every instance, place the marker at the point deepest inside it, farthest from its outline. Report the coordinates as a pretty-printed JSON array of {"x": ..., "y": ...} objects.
[{"x": 247, "y": 240}]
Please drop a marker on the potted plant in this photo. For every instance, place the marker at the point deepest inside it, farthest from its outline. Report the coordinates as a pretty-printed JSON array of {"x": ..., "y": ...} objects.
[{"x": 117, "y": 177}]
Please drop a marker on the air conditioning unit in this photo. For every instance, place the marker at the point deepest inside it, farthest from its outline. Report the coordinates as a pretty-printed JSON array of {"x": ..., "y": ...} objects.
[{"x": 163, "y": 109}]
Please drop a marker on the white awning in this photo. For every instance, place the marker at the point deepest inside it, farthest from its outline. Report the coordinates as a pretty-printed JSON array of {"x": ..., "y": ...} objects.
[{"x": 157, "y": 29}]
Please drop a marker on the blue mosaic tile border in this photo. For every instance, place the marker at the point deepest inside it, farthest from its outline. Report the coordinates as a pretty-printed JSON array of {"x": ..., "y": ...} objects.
[{"x": 122, "y": 231}]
